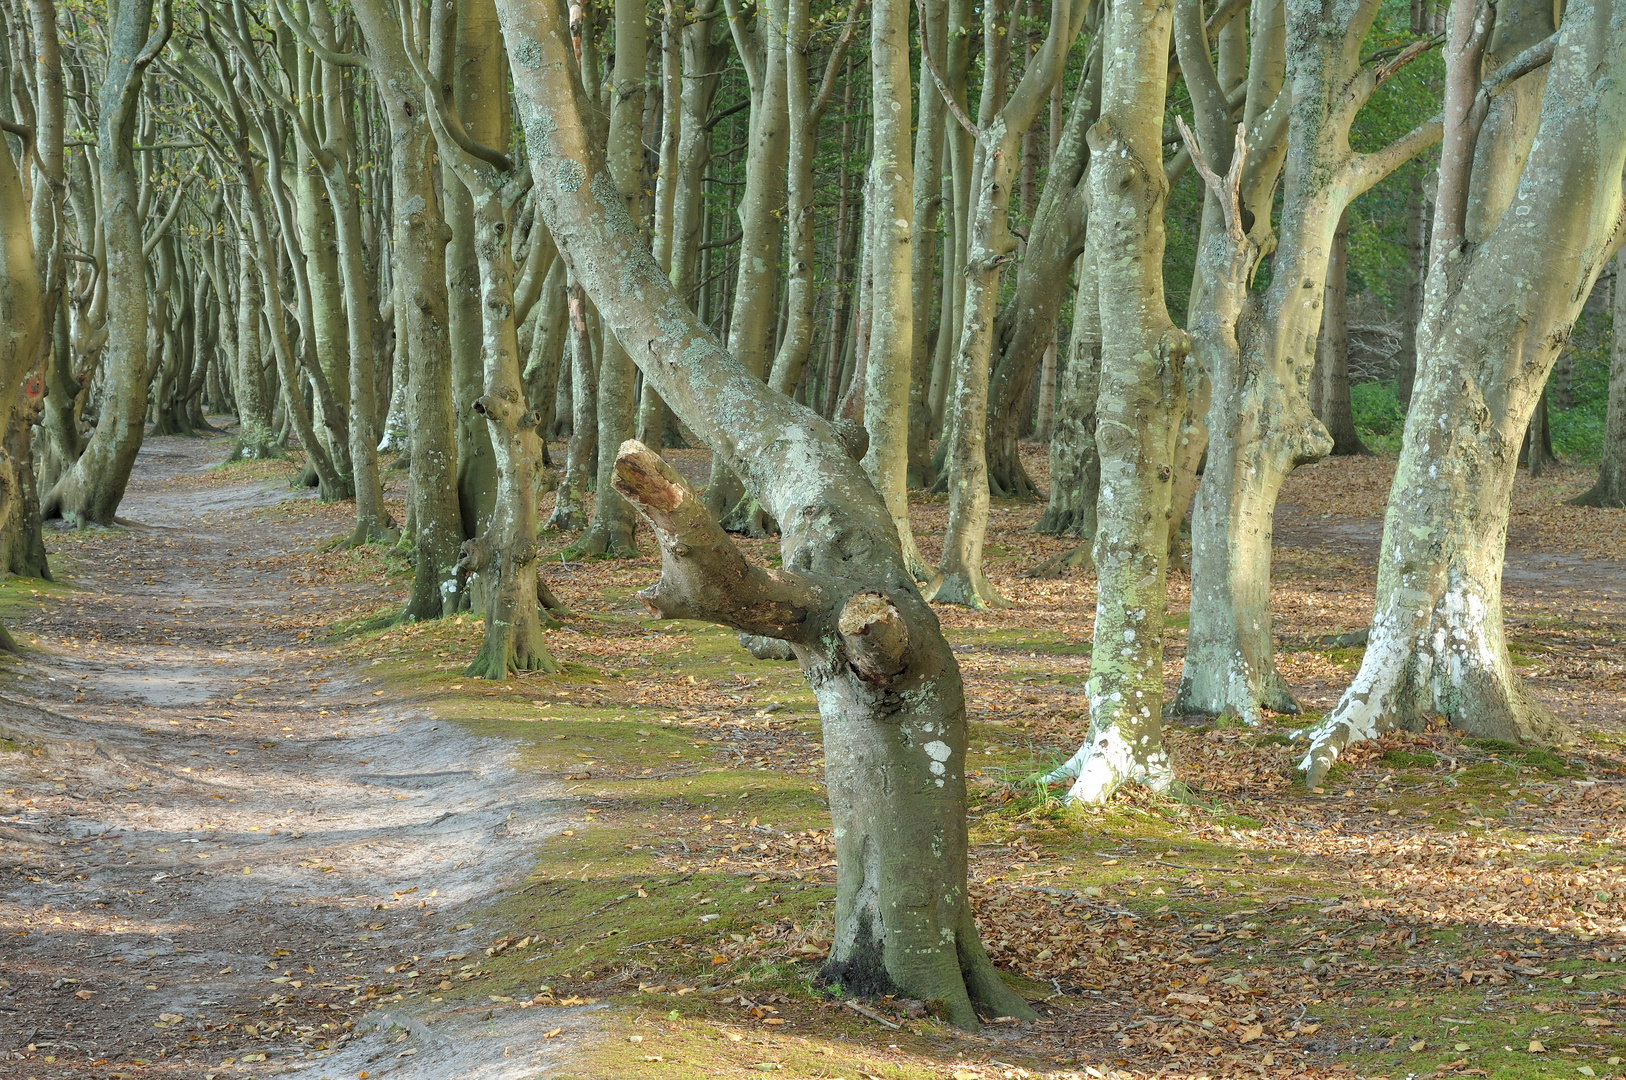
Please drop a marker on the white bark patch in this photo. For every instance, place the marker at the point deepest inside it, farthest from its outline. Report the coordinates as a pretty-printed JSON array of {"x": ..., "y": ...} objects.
[{"x": 939, "y": 752}]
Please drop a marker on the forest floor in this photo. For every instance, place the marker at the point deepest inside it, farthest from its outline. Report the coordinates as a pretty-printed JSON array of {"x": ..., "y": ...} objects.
[{"x": 641, "y": 886}]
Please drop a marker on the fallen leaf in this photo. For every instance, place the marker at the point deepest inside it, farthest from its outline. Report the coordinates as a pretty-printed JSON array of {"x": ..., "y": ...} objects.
[{"x": 1536, "y": 1047}]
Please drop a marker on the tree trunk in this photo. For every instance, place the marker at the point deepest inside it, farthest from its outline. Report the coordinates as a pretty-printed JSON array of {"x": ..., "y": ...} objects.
[
  {"x": 419, "y": 266},
  {"x": 90, "y": 492},
  {"x": 570, "y": 498},
  {"x": 891, "y": 211},
  {"x": 1138, "y": 410},
  {"x": 989, "y": 244},
  {"x": 1332, "y": 351},
  {"x": 1494, "y": 319},
  {"x": 1260, "y": 355},
  {"x": 1075, "y": 464},
  {"x": 1411, "y": 299},
  {"x": 1610, "y": 490},
  {"x": 610, "y": 532},
  {"x": 889, "y": 692}
]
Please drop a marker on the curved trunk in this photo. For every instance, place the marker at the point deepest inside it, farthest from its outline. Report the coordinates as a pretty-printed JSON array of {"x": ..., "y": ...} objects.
[
  {"x": 886, "y": 681},
  {"x": 90, "y": 491}
]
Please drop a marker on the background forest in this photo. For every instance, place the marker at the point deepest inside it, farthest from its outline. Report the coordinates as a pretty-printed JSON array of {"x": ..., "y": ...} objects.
[{"x": 1067, "y": 536}]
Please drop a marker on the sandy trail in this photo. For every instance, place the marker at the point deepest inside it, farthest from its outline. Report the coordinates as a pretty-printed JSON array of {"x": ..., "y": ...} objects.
[{"x": 221, "y": 852}]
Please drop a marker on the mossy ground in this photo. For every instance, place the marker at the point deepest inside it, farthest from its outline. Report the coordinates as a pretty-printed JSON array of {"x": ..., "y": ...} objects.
[{"x": 1439, "y": 907}]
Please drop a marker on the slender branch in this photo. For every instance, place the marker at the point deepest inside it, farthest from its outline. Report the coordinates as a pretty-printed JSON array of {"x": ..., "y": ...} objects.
[
  {"x": 163, "y": 225},
  {"x": 832, "y": 66},
  {"x": 1366, "y": 170},
  {"x": 310, "y": 41},
  {"x": 942, "y": 87},
  {"x": 1517, "y": 68},
  {"x": 447, "y": 117}
]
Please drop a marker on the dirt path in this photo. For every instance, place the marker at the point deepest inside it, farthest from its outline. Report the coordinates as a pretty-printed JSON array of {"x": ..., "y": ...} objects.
[{"x": 222, "y": 853}]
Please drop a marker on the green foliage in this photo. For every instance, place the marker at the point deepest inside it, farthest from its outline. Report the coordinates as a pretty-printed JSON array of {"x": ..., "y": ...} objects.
[{"x": 1376, "y": 406}]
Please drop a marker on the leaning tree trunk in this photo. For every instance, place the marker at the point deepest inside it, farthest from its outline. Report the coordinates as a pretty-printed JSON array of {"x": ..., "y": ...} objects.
[
  {"x": 90, "y": 491},
  {"x": 889, "y": 691},
  {"x": 1610, "y": 490},
  {"x": 1494, "y": 320}
]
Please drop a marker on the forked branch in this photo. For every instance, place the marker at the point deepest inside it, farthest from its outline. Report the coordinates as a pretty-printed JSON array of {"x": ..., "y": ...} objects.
[{"x": 1227, "y": 189}]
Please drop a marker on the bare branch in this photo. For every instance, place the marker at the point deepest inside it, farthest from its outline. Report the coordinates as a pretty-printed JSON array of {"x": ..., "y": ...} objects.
[
  {"x": 937, "y": 77},
  {"x": 832, "y": 66},
  {"x": 703, "y": 575},
  {"x": 1228, "y": 190},
  {"x": 308, "y": 39}
]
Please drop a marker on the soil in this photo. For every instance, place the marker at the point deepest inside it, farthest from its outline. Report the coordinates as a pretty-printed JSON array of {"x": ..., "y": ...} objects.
[{"x": 222, "y": 852}]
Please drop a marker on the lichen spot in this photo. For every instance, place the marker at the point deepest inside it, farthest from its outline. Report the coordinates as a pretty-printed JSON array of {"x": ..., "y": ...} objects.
[
  {"x": 528, "y": 54},
  {"x": 569, "y": 174},
  {"x": 939, "y": 752}
]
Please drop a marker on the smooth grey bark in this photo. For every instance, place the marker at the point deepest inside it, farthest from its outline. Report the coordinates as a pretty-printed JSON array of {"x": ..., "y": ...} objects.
[
  {"x": 890, "y": 193},
  {"x": 502, "y": 560},
  {"x": 924, "y": 269},
  {"x": 1025, "y": 333},
  {"x": 1138, "y": 409},
  {"x": 419, "y": 268},
  {"x": 1331, "y": 397},
  {"x": 90, "y": 491},
  {"x": 569, "y": 501},
  {"x": 998, "y": 138},
  {"x": 1494, "y": 319},
  {"x": 611, "y": 531},
  {"x": 1260, "y": 352},
  {"x": 889, "y": 692}
]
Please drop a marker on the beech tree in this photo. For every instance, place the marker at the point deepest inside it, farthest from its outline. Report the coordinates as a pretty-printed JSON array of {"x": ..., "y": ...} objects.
[
  {"x": 1539, "y": 170},
  {"x": 889, "y": 691}
]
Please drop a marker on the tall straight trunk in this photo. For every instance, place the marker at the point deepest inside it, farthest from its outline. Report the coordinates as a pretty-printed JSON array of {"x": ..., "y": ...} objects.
[
  {"x": 890, "y": 194},
  {"x": 610, "y": 532},
  {"x": 90, "y": 492},
  {"x": 924, "y": 266},
  {"x": 475, "y": 70},
  {"x": 1494, "y": 320},
  {"x": 1075, "y": 464},
  {"x": 1411, "y": 297},
  {"x": 22, "y": 315},
  {"x": 753, "y": 314},
  {"x": 1610, "y": 490},
  {"x": 890, "y": 695},
  {"x": 570, "y": 499},
  {"x": 419, "y": 268},
  {"x": 1332, "y": 351},
  {"x": 1138, "y": 407},
  {"x": 651, "y": 409},
  {"x": 989, "y": 244},
  {"x": 255, "y": 437}
]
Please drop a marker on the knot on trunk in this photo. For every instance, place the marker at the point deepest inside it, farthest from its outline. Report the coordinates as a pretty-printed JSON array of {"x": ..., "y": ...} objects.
[
  {"x": 876, "y": 637},
  {"x": 475, "y": 555}
]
